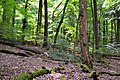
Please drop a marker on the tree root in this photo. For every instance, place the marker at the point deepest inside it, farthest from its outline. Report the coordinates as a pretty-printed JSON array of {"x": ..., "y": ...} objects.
[{"x": 111, "y": 74}]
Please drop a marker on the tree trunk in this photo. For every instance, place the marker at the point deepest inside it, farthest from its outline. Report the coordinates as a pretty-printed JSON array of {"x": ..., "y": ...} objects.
[
  {"x": 106, "y": 27},
  {"x": 83, "y": 34},
  {"x": 93, "y": 27},
  {"x": 24, "y": 21},
  {"x": 39, "y": 24},
  {"x": 118, "y": 27},
  {"x": 104, "y": 32},
  {"x": 96, "y": 33},
  {"x": 13, "y": 19},
  {"x": 58, "y": 28},
  {"x": 4, "y": 16},
  {"x": 111, "y": 31},
  {"x": 46, "y": 25}
]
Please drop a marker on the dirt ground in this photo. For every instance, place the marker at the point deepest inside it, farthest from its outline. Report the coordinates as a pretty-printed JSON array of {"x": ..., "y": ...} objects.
[{"x": 13, "y": 65}]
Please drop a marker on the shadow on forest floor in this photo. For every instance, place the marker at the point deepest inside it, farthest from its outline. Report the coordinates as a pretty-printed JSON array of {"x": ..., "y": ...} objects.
[{"x": 12, "y": 65}]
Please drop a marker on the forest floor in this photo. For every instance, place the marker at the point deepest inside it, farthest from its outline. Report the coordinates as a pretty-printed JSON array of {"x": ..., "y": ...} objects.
[{"x": 13, "y": 65}]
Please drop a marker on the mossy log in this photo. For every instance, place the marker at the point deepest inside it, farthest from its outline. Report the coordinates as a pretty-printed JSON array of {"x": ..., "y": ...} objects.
[
  {"x": 39, "y": 72},
  {"x": 85, "y": 68},
  {"x": 94, "y": 74}
]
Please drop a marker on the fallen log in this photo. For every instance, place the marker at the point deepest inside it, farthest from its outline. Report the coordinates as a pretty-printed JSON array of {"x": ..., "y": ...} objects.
[
  {"x": 18, "y": 53},
  {"x": 34, "y": 50}
]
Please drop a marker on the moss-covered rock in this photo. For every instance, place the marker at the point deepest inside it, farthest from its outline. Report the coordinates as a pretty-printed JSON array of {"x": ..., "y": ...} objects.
[
  {"x": 85, "y": 68},
  {"x": 93, "y": 74},
  {"x": 24, "y": 76},
  {"x": 41, "y": 72}
]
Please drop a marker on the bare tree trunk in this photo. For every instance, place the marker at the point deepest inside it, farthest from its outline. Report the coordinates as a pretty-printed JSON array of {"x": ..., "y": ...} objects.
[
  {"x": 14, "y": 10},
  {"x": 93, "y": 26},
  {"x": 106, "y": 27},
  {"x": 24, "y": 21},
  {"x": 77, "y": 26},
  {"x": 46, "y": 25},
  {"x": 83, "y": 34},
  {"x": 3, "y": 16},
  {"x": 39, "y": 24},
  {"x": 118, "y": 27},
  {"x": 111, "y": 31},
  {"x": 96, "y": 33},
  {"x": 61, "y": 21}
]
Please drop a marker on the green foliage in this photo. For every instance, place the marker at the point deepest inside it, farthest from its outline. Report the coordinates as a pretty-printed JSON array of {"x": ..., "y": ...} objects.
[
  {"x": 93, "y": 74},
  {"x": 63, "y": 78},
  {"x": 109, "y": 49},
  {"x": 67, "y": 35},
  {"x": 60, "y": 54},
  {"x": 41, "y": 72}
]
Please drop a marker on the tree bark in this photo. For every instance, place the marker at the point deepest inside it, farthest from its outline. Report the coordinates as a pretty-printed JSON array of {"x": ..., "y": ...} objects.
[
  {"x": 104, "y": 32},
  {"x": 118, "y": 27},
  {"x": 111, "y": 31},
  {"x": 39, "y": 24},
  {"x": 83, "y": 34},
  {"x": 14, "y": 11},
  {"x": 93, "y": 25},
  {"x": 46, "y": 25},
  {"x": 96, "y": 33},
  {"x": 24, "y": 21}
]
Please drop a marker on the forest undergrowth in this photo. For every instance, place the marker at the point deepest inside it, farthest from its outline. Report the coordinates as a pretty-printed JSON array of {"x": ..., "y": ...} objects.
[{"x": 12, "y": 64}]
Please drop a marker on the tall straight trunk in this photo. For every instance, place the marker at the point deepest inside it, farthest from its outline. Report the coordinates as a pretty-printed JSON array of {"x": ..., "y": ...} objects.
[
  {"x": 104, "y": 32},
  {"x": 96, "y": 33},
  {"x": 106, "y": 35},
  {"x": 93, "y": 25},
  {"x": 13, "y": 18},
  {"x": 118, "y": 27},
  {"x": 83, "y": 34},
  {"x": 111, "y": 31},
  {"x": 46, "y": 25},
  {"x": 39, "y": 23},
  {"x": 115, "y": 28},
  {"x": 24, "y": 21},
  {"x": 4, "y": 16}
]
